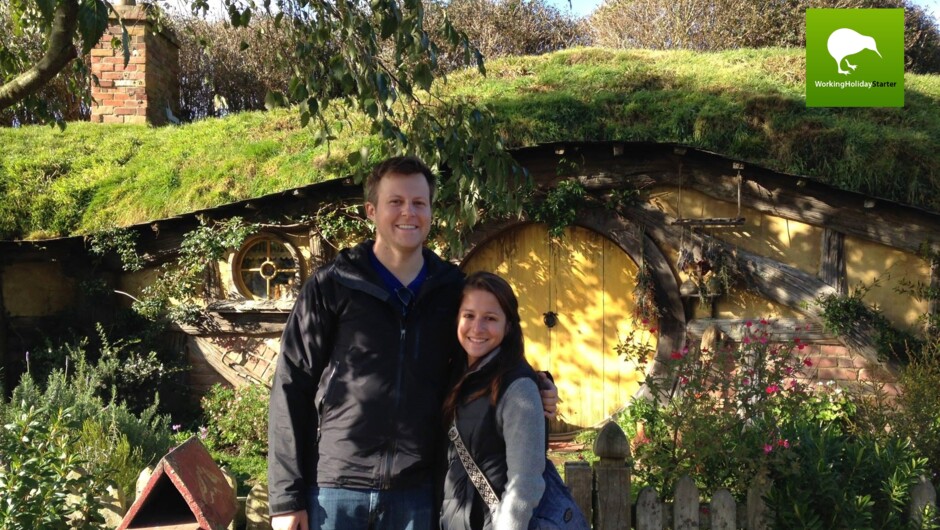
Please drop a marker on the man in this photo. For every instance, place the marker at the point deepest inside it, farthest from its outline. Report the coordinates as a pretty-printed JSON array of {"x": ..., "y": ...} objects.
[{"x": 355, "y": 415}]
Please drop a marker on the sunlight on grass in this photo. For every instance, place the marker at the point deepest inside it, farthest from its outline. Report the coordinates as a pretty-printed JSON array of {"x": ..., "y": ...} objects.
[{"x": 746, "y": 104}]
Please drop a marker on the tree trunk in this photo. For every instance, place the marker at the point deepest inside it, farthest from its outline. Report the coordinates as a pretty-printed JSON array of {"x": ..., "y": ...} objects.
[{"x": 60, "y": 51}]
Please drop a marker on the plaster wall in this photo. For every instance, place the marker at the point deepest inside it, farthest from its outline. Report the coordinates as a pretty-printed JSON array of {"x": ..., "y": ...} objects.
[
  {"x": 791, "y": 242},
  {"x": 133, "y": 283},
  {"x": 867, "y": 262},
  {"x": 36, "y": 289}
]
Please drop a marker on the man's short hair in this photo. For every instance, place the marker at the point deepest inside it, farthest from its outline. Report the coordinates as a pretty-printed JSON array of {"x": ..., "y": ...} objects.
[{"x": 399, "y": 165}]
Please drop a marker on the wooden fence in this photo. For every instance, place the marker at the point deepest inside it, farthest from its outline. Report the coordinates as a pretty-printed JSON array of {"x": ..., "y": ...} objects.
[{"x": 603, "y": 493}]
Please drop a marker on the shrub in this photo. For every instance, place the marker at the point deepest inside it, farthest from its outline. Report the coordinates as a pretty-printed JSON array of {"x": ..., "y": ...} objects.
[
  {"x": 731, "y": 24},
  {"x": 501, "y": 28},
  {"x": 44, "y": 482},
  {"x": 124, "y": 370},
  {"x": 842, "y": 314},
  {"x": 225, "y": 69},
  {"x": 718, "y": 415},
  {"x": 112, "y": 442},
  {"x": 830, "y": 480},
  {"x": 237, "y": 419},
  {"x": 917, "y": 418}
]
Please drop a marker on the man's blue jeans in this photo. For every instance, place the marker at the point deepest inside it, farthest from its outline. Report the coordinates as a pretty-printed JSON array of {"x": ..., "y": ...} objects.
[{"x": 365, "y": 509}]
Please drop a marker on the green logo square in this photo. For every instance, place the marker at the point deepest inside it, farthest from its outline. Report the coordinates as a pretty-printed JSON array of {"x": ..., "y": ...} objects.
[{"x": 854, "y": 57}]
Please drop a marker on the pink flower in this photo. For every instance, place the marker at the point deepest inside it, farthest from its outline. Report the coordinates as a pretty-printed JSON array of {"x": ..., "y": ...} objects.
[
  {"x": 684, "y": 380},
  {"x": 748, "y": 323},
  {"x": 763, "y": 340},
  {"x": 652, "y": 330},
  {"x": 746, "y": 381},
  {"x": 768, "y": 448},
  {"x": 801, "y": 346},
  {"x": 807, "y": 362},
  {"x": 675, "y": 356},
  {"x": 763, "y": 321},
  {"x": 784, "y": 443},
  {"x": 645, "y": 321},
  {"x": 746, "y": 340},
  {"x": 772, "y": 388},
  {"x": 794, "y": 384}
]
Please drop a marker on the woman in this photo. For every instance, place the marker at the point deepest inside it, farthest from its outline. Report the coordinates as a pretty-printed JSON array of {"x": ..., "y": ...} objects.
[{"x": 497, "y": 412}]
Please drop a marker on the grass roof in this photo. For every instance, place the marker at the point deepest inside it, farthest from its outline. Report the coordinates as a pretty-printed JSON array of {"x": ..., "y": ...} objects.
[{"x": 746, "y": 104}]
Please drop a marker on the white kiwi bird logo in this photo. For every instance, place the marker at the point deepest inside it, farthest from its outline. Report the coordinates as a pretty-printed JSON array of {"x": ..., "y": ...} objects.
[{"x": 845, "y": 42}]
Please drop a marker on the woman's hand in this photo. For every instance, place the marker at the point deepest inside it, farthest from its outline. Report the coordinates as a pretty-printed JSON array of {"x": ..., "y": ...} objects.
[
  {"x": 549, "y": 393},
  {"x": 290, "y": 521}
]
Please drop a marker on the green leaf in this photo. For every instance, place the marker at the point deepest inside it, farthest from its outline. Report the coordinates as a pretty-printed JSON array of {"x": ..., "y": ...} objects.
[
  {"x": 47, "y": 9},
  {"x": 242, "y": 46},
  {"x": 273, "y": 100},
  {"x": 92, "y": 22},
  {"x": 354, "y": 158},
  {"x": 423, "y": 76},
  {"x": 389, "y": 25}
]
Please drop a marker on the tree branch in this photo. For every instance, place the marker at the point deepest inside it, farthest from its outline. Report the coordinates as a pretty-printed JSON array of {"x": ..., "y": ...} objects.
[{"x": 60, "y": 51}]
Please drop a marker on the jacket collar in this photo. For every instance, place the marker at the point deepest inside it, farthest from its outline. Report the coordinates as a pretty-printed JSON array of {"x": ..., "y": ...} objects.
[{"x": 353, "y": 269}]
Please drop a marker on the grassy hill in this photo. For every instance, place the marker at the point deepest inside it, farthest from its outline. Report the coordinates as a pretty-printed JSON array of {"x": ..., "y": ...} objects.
[{"x": 746, "y": 104}]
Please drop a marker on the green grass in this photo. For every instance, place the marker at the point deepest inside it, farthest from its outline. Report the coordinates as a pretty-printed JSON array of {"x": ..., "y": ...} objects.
[{"x": 745, "y": 104}]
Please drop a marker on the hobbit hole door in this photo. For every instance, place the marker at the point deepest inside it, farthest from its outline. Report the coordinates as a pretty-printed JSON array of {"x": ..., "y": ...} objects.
[{"x": 575, "y": 298}]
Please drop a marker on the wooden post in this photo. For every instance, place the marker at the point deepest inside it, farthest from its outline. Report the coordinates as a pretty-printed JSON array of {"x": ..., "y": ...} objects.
[
  {"x": 756, "y": 509},
  {"x": 649, "y": 511},
  {"x": 580, "y": 480},
  {"x": 922, "y": 496},
  {"x": 685, "y": 508},
  {"x": 832, "y": 261},
  {"x": 612, "y": 474},
  {"x": 723, "y": 511}
]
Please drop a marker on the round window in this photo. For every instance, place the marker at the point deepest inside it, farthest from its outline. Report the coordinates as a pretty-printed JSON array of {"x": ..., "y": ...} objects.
[{"x": 267, "y": 268}]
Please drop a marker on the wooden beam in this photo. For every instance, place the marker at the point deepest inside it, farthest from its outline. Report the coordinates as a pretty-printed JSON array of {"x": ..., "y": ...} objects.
[
  {"x": 780, "y": 329},
  {"x": 788, "y": 196},
  {"x": 832, "y": 261},
  {"x": 710, "y": 221},
  {"x": 763, "y": 276}
]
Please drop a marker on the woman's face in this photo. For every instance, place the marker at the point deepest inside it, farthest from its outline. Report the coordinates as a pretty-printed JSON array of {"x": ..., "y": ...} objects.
[{"x": 481, "y": 324}]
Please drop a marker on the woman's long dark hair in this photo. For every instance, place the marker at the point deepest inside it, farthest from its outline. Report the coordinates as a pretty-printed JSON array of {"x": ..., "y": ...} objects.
[{"x": 512, "y": 349}]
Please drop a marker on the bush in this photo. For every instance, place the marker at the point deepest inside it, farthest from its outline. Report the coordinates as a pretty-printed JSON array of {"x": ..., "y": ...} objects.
[
  {"x": 917, "y": 418},
  {"x": 718, "y": 416},
  {"x": 237, "y": 419},
  {"x": 501, "y": 28},
  {"x": 44, "y": 482},
  {"x": 225, "y": 69},
  {"x": 830, "y": 480},
  {"x": 730, "y": 24},
  {"x": 111, "y": 442},
  {"x": 123, "y": 370}
]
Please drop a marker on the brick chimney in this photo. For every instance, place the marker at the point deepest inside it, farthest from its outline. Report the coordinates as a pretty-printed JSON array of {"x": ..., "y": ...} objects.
[{"x": 142, "y": 91}]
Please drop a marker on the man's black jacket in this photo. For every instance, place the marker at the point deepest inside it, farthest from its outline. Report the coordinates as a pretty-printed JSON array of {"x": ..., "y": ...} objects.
[{"x": 356, "y": 398}]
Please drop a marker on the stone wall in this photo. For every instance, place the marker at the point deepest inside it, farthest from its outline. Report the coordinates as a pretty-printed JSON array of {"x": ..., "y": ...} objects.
[{"x": 143, "y": 90}]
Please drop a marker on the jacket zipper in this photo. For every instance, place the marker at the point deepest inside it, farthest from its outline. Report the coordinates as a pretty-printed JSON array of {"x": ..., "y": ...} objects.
[{"x": 393, "y": 447}]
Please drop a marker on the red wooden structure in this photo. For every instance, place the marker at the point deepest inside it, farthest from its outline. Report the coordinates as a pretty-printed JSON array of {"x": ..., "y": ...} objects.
[{"x": 187, "y": 491}]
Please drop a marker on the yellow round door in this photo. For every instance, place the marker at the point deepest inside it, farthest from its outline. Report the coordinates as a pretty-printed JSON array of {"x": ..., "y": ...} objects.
[{"x": 576, "y": 304}]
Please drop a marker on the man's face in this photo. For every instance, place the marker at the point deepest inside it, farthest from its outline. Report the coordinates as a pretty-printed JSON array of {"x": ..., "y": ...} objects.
[{"x": 402, "y": 212}]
